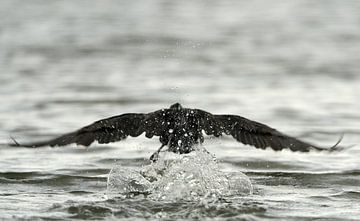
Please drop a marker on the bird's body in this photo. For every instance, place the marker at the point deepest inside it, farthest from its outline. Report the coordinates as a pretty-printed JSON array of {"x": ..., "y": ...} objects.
[{"x": 180, "y": 129}]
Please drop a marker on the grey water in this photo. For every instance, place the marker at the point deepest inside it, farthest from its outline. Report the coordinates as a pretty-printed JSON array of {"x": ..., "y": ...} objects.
[{"x": 293, "y": 65}]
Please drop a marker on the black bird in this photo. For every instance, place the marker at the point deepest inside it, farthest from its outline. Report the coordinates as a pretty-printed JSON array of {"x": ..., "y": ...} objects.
[{"x": 180, "y": 128}]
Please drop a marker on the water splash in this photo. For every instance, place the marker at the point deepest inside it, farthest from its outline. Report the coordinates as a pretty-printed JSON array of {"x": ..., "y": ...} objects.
[
  {"x": 123, "y": 181},
  {"x": 192, "y": 176}
]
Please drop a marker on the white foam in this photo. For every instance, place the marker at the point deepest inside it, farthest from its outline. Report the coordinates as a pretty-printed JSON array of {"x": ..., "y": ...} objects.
[{"x": 191, "y": 176}]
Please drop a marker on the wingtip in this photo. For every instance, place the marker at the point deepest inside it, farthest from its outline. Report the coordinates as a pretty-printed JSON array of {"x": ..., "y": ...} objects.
[
  {"x": 336, "y": 147},
  {"x": 341, "y": 148},
  {"x": 26, "y": 145},
  {"x": 15, "y": 144}
]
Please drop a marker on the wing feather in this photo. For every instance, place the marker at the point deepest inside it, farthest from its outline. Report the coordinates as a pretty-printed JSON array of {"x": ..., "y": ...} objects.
[
  {"x": 104, "y": 131},
  {"x": 253, "y": 133},
  {"x": 260, "y": 135}
]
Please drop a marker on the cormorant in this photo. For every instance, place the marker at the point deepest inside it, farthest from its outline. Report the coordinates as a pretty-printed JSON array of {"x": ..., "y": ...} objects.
[{"x": 180, "y": 128}]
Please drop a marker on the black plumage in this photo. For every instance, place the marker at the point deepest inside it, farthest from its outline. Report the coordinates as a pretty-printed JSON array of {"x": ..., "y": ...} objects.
[{"x": 180, "y": 129}]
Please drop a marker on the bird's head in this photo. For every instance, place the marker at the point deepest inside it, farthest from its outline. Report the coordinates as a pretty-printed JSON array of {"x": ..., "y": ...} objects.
[{"x": 176, "y": 106}]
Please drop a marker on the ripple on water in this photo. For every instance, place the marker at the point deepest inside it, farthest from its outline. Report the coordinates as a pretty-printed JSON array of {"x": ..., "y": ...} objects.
[{"x": 189, "y": 177}]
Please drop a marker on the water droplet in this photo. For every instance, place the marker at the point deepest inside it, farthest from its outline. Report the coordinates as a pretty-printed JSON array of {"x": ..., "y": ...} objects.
[{"x": 193, "y": 176}]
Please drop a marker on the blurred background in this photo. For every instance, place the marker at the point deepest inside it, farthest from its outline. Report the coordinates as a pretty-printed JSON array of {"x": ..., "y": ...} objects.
[
  {"x": 293, "y": 65},
  {"x": 65, "y": 63}
]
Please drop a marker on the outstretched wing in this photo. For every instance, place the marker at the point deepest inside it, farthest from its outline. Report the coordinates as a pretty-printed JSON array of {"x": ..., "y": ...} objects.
[
  {"x": 253, "y": 133},
  {"x": 104, "y": 131}
]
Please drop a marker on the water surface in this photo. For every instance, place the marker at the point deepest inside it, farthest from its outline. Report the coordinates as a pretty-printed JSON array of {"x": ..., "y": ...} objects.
[{"x": 291, "y": 64}]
